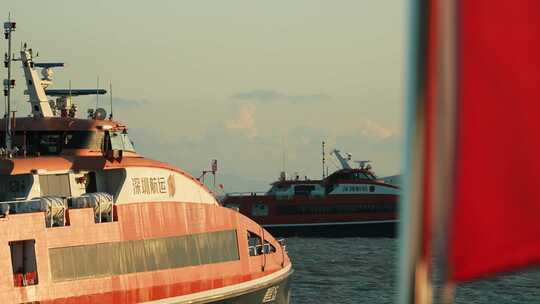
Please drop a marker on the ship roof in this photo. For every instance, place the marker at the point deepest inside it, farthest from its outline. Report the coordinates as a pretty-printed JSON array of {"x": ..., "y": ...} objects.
[
  {"x": 25, "y": 165},
  {"x": 62, "y": 124},
  {"x": 296, "y": 182}
]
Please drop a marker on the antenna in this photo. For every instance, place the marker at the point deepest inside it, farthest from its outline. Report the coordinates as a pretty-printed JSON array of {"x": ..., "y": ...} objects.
[
  {"x": 110, "y": 96},
  {"x": 283, "y": 160},
  {"x": 284, "y": 154},
  {"x": 214, "y": 166},
  {"x": 9, "y": 83},
  {"x": 213, "y": 170},
  {"x": 69, "y": 92},
  {"x": 97, "y": 95},
  {"x": 323, "y": 160}
]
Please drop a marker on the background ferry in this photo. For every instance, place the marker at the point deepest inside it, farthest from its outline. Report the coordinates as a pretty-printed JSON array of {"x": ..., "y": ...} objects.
[{"x": 348, "y": 202}]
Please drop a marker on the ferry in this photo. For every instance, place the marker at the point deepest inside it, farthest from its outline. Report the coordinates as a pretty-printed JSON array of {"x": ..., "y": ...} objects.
[
  {"x": 85, "y": 219},
  {"x": 349, "y": 202}
]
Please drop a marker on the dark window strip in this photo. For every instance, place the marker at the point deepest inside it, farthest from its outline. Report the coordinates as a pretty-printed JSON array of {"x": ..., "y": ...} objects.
[
  {"x": 105, "y": 259},
  {"x": 336, "y": 209}
]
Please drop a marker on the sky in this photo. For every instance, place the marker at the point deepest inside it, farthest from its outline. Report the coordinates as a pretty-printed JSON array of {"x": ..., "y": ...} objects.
[{"x": 257, "y": 85}]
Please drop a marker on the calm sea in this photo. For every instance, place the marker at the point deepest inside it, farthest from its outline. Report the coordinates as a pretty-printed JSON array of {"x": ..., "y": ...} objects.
[{"x": 361, "y": 270}]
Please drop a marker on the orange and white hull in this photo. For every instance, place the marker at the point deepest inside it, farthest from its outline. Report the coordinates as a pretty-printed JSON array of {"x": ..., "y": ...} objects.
[{"x": 235, "y": 276}]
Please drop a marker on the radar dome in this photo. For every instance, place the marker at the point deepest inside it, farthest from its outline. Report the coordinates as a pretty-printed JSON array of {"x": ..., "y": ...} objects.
[
  {"x": 47, "y": 73},
  {"x": 100, "y": 114}
]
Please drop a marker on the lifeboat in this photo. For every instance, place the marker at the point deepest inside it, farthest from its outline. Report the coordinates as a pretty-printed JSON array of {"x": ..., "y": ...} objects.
[{"x": 85, "y": 219}]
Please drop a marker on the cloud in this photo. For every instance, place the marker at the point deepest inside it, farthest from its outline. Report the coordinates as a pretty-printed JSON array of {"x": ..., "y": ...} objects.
[
  {"x": 372, "y": 129},
  {"x": 244, "y": 121},
  {"x": 267, "y": 96},
  {"x": 129, "y": 103},
  {"x": 244, "y": 148},
  {"x": 123, "y": 103}
]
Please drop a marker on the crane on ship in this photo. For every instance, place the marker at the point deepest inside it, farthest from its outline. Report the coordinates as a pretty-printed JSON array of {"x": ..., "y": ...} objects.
[{"x": 344, "y": 161}]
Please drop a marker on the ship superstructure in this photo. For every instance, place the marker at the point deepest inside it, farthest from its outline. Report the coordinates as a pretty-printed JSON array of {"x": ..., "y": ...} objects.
[
  {"x": 84, "y": 218},
  {"x": 351, "y": 201}
]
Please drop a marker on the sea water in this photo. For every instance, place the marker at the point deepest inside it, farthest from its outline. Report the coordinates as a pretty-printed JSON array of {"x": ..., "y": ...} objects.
[{"x": 364, "y": 270}]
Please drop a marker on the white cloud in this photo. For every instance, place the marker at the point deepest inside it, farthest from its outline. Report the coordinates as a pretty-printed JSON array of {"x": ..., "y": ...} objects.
[
  {"x": 244, "y": 121},
  {"x": 267, "y": 96},
  {"x": 373, "y": 129}
]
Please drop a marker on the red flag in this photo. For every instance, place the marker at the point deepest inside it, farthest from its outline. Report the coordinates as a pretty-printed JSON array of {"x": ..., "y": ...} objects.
[{"x": 496, "y": 214}]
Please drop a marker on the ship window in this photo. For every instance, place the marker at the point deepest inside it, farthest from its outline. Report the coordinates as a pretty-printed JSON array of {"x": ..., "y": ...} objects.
[
  {"x": 52, "y": 143},
  {"x": 15, "y": 187},
  {"x": 259, "y": 210},
  {"x": 360, "y": 175},
  {"x": 83, "y": 140},
  {"x": 255, "y": 246},
  {"x": 23, "y": 262},
  {"x": 303, "y": 189},
  {"x": 90, "y": 182},
  {"x": 268, "y": 248},
  {"x": 49, "y": 144},
  {"x": 121, "y": 141},
  {"x": 55, "y": 185}
]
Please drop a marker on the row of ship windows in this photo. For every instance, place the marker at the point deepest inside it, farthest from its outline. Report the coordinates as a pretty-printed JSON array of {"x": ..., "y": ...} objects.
[
  {"x": 336, "y": 209},
  {"x": 115, "y": 258},
  {"x": 125, "y": 257},
  {"x": 362, "y": 188}
]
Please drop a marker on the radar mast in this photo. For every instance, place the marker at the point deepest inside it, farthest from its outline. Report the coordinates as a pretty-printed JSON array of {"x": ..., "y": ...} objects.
[{"x": 9, "y": 28}]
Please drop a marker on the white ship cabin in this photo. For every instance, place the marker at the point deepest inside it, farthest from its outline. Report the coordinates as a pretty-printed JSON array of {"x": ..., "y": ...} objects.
[
  {"x": 62, "y": 163},
  {"x": 54, "y": 192},
  {"x": 38, "y": 182},
  {"x": 358, "y": 181},
  {"x": 344, "y": 181},
  {"x": 289, "y": 189},
  {"x": 33, "y": 179}
]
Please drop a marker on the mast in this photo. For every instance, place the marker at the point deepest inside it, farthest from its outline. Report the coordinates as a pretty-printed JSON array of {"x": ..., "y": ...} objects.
[
  {"x": 36, "y": 92},
  {"x": 323, "y": 161},
  {"x": 9, "y": 83},
  {"x": 111, "y": 100}
]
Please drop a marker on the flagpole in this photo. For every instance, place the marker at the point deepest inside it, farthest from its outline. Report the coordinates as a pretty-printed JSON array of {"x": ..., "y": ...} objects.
[
  {"x": 413, "y": 281},
  {"x": 429, "y": 157},
  {"x": 445, "y": 141}
]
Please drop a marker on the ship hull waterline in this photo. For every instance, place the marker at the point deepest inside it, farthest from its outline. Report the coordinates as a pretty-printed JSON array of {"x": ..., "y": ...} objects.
[
  {"x": 276, "y": 292},
  {"x": 375, "y": 229}
]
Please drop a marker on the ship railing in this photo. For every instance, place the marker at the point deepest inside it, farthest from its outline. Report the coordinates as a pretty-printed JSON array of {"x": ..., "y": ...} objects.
[
  {"x": 282, "y": 244},
  {"x": 7, "y": 207},
  {"x": 56, "y": 208},
  {"x": 259, "y": 193},
  {"x": 256, "y": 250}
]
